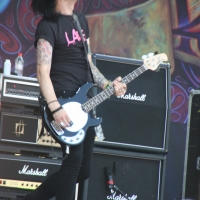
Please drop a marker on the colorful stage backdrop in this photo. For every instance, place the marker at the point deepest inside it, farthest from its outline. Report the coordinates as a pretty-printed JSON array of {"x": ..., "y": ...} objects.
[{"x": 125, "y": 28}]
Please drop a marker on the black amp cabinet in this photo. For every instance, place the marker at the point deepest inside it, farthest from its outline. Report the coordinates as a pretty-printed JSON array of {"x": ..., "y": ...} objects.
[
  {"x": 19, "y": 175},
  {"x": 136, "y": 176},
  {"x": 140, "y": 119},
  {"x": 191, "y": 174}
]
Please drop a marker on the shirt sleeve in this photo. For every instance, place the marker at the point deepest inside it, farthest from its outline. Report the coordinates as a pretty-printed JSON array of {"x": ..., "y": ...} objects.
[{"x": 45, "y": 31}]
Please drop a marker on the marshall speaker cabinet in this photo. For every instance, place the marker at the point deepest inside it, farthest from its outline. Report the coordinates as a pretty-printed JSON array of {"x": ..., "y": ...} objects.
[
  {"x": 140, "y": 119},
  {"x": 191, "y": 175},
  {"x": 118, "y": 174},
  {"x": 19, "y": 174}
]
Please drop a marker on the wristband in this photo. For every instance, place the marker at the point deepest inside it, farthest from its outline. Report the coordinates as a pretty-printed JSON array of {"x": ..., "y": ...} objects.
[
  {"x": 56, "y": 110},
  {"x": 107, "y": 85},
  {"x": 52, "y": 101}
]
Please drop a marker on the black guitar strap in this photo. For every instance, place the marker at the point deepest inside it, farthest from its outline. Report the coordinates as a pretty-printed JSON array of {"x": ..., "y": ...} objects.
[
  {"x": 86, "y": 52},
  {"x": 98, "y": 129}
]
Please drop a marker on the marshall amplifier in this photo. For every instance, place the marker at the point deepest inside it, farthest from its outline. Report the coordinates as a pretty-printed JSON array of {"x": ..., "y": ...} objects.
[
  {"x": 24, "y": 130},
  {"x": 139, "y": 119},
  {"x": 19, "y": 90},
  {"x": 118, "y": 174},
  {"x": 18, "y": 174}
]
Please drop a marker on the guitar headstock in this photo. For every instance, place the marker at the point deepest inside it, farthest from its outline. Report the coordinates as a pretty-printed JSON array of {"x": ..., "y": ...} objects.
[{"x": 153, "y": 62}]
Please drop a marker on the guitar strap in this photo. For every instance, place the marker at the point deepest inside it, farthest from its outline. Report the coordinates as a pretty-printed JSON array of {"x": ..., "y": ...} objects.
[
  {"x": 98, "y": 129},
  {"x": 83, "y": 40}
]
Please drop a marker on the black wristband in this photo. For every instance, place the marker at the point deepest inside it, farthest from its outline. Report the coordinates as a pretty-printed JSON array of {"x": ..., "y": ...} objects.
[
  {"x": 52, "y": 101},
  {"x": 56, "y": 110}
]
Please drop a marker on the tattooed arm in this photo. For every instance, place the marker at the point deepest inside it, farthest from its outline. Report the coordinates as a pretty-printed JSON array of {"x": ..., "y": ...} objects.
[
  {"x": 44, "y": 57},
  {"x": 101, "y": 81}
]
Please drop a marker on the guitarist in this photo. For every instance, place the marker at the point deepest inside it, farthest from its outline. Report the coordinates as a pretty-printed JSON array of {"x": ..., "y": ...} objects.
[{"x": 61, "y": 70}]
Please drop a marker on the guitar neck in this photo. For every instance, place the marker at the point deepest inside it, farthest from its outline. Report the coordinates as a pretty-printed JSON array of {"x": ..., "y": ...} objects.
[{"x": 102, "y": 96}]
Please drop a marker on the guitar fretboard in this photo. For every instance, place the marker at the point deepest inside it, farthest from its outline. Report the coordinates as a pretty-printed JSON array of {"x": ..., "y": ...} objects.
[{"x": 102, "y": 96}]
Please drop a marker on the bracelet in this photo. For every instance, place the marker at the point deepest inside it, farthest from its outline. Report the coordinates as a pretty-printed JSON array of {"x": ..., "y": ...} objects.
[
  {"x": 107, "y": 85},
  {"x": 56, "y": 110},
  {"x": 52, "y": 101}
]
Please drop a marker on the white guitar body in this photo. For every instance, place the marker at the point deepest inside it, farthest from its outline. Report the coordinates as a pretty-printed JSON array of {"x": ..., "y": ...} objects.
[
  {"x": 77, "y": 115},
  {"x": 81, "y": 119}
]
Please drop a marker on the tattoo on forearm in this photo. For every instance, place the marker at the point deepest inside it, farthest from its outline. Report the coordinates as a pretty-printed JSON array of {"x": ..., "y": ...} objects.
[
  {"x": 43, "y": 52},
  {"x": 99, "y": 79}
]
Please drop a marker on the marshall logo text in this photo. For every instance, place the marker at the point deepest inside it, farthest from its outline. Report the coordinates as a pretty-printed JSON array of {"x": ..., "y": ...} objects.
[
  {"x": 114, "y": 196},
  {"x": 133, "y": 97},
  {"x": 32, "y": 172}
]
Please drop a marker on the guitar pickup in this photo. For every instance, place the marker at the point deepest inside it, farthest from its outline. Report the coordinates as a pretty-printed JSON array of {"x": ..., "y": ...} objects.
[{"x": 57, "y": 128}]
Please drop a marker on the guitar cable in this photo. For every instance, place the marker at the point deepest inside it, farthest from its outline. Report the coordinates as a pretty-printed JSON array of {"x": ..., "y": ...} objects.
[{"x": 57, "y": 157}]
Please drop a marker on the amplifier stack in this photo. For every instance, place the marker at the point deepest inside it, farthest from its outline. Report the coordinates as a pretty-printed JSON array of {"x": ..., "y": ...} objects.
[
  {"x": 135, "y": 126},
  {"x": 136, "y": 129},
  {"x": 26, "y": 157},
  {"x": 20, "y": 116}
]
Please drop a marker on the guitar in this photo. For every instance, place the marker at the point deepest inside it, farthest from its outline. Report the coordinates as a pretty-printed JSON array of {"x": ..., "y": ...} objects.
[{"x": 79, "y": 106}]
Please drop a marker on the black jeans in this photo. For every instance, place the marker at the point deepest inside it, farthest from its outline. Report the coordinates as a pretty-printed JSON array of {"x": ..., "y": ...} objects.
[{"x": 75, "y": 168}]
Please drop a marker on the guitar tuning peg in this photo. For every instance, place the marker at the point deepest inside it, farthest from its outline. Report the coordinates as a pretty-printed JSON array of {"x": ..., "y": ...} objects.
[
  {"x": 144, "y": 57},
  {"x": 150, "y": 55}
]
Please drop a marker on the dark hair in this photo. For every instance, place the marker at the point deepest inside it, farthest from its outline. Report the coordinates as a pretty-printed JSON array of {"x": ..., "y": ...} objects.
[{"x": 46, "y": 8}]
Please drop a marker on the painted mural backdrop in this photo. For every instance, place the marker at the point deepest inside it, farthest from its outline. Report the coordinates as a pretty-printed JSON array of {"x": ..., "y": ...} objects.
[
  {"x": 186, "y": 45},
  {"x": 125, "y": 28},
  {"x": 17, "y": 28}
]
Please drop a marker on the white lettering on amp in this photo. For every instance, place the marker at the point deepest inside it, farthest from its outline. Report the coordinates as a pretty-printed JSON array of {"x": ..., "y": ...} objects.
[
  {"x": 133, "y": 97},
  {"x": 32, "y": 172}
]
